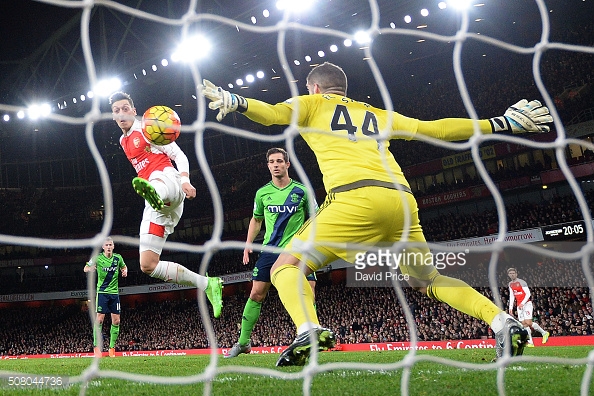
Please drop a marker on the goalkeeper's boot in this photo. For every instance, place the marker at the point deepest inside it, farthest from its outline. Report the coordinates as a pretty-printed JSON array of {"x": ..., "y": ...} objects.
[
  {"x": 238, "y": 349},
  {"x": 112, "y": 352},
  {"x": 147, "y": 191},
  {"x": 298, "y": 352},
  {"x": 545, "y": 337},
  {"x": 97, "y": 351},
  {"x": 513, "y": 336},
  {"x": 214, "y": 292}
]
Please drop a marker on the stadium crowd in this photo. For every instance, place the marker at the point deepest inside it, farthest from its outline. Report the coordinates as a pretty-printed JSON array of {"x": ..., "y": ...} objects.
[{"x": 357, "y": 314}]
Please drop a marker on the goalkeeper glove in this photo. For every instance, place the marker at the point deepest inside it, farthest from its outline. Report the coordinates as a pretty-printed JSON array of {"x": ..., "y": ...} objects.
[
  {"x": 523, "y": 117},
  {"x": 222, "y": 100}
]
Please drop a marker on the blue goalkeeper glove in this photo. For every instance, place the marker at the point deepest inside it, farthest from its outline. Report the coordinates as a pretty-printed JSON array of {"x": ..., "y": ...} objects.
[
  {"x": 221, "y": 100},
  {"x": 523, "y": 117}
]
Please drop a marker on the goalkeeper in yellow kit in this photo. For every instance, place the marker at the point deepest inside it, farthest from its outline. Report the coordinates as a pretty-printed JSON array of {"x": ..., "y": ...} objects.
[{"x": 369, "y": 201}]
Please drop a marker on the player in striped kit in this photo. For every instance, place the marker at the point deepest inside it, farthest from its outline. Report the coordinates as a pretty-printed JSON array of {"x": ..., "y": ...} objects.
[
  {"x": 108, "y": 264},
  {"x": 164, "y": 188},
  {"x": 282, "y": 205},
  {"x": 519, "y": 292}
]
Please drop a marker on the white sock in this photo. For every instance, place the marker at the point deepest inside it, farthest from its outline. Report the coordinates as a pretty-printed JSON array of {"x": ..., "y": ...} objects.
[
  {"x": 176, "y": 273},
  {"x": 536, "y": 327},
  {"x": 499, "y": 321},
  {"x": 160, "y": 188},
  {"x": 307, "y": 326},
  {"x": 529, "y": 330}
]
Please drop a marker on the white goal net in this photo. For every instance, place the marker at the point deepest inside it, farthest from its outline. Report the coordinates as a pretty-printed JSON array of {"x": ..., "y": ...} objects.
[{"x": 396, "y": 55}]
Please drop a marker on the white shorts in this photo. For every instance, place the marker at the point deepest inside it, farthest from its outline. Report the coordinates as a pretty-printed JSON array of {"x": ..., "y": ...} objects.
[
  {"x": 156, "y": 226},
  {"x": 526, "y": 312}
]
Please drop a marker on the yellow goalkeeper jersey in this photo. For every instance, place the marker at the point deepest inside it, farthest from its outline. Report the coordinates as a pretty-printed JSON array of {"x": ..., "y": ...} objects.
[{"x": 341, "y": 132}]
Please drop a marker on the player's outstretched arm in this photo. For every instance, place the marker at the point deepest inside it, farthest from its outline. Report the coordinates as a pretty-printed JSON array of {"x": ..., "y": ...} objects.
[
  {"x": 523, "y": 117},
  {"x": 223, "y": 101}
]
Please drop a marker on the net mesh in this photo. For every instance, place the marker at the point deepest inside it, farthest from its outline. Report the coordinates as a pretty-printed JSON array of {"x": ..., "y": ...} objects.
[{"x": 462, "y": 37}]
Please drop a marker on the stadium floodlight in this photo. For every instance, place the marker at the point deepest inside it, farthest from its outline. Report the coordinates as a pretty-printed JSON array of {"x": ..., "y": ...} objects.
[
  {"x": 230, "y": 86},
  {"x": 36, "y": 111},
  {"x": 266, "y": 13},
  {"x": 239, "y": 82},
  {"x": 347, "y": 42},
  {"x": 424, "y": 12},
  {"x": 6, "y": 117},
  {"x": 333, "y": 48},
  {"x": 250, "y": 78},
  {"x": 296, "y": 62},
  {"x": 143, "y": 72},
  {"x": 154, "y": 67},
  {"x": 105, "y": 87},
  {"x": 90, "y": 95},
  {"x": 164, "y": 62},
  {"x": 407, "y": 19},
  {"x": 442, "y": 5},
  {"x": 294, "y": 6},
  {"x": 307, "y": 58},
  {"x": 459, "y": 4},
  {"x": 260, "y": 74},
  {"x": 392, "y": 25},
  {"x": 192, "y": 49},
  {"x": 254, "y": 20},
  {"x": 321, "y": 54},
  {"x": 21, "y": 114},
  {"x": 83, "y": 98},
  {"x": 362, "y": 37}
]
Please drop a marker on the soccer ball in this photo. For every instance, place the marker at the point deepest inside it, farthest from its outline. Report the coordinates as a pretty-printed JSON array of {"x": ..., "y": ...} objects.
[{"x": 160, "y": 125}]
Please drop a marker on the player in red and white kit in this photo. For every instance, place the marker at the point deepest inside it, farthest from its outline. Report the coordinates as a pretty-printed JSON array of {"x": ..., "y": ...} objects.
[
  {"x": 519, "y": 292},
  {"x": 164, "y": 188}
]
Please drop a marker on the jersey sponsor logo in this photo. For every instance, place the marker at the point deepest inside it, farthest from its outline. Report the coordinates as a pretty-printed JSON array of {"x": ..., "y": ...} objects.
[
  {"x": 109, "y": 269},
  {"x": 141, "y": 165},
  {"x": 281, "y": 209}
]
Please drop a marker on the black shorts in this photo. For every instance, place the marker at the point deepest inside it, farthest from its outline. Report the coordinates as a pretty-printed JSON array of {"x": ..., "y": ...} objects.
[
  {"x": 264, "y": 264},
  {"x": 108, "y": 303}
]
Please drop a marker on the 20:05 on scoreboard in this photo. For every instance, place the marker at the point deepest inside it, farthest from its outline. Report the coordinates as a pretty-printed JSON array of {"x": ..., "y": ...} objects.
[{"x": 575, "y": 230}]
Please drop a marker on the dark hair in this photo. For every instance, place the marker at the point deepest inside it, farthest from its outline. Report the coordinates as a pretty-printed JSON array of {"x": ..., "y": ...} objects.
[
  {"x": 329, "y": 77},
  {"x": 116, "y": 96},
  {"x": 276, "y": 150}
]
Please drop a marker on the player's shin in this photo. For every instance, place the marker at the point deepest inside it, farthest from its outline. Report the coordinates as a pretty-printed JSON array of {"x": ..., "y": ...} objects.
[
  {"x": 459, "y": 295},
  {"x": 250, "y": 316},
  {"x": 113, "y": 335},
  {"x": 286, "y": 279},
  {"x": 176, "y": 273}
]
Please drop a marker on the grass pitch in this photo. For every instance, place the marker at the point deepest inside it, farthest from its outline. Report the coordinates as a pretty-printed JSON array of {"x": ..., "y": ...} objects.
[{"x": 426, "y": 377}]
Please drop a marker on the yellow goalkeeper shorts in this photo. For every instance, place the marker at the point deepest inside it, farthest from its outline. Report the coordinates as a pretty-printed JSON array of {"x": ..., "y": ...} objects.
[{"x": 352, "y": 222}]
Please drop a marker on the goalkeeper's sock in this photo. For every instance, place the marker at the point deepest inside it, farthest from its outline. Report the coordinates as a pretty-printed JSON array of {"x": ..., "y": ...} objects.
[
  {"x": 97, "y": 333},
  {"x": 114, "y": 332},
  {"x": 177, "y": 273},
  {"x": 251, "y": 313},
  {"x": 537, "y": 327},
  {"x": 286, "y": 279},
  {"x": 459, "y": 295}
]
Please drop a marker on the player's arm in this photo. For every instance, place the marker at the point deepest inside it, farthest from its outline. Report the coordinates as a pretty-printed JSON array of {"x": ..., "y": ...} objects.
[
  {"x": 123, "y": 267},
  {"x": 261, "y": 112},
  {"x": 175, "y": 153},
  {"x": 253, "y": 230},
  {"x": 522, "y": 117},
  {"x": 89, "y": 266}
]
